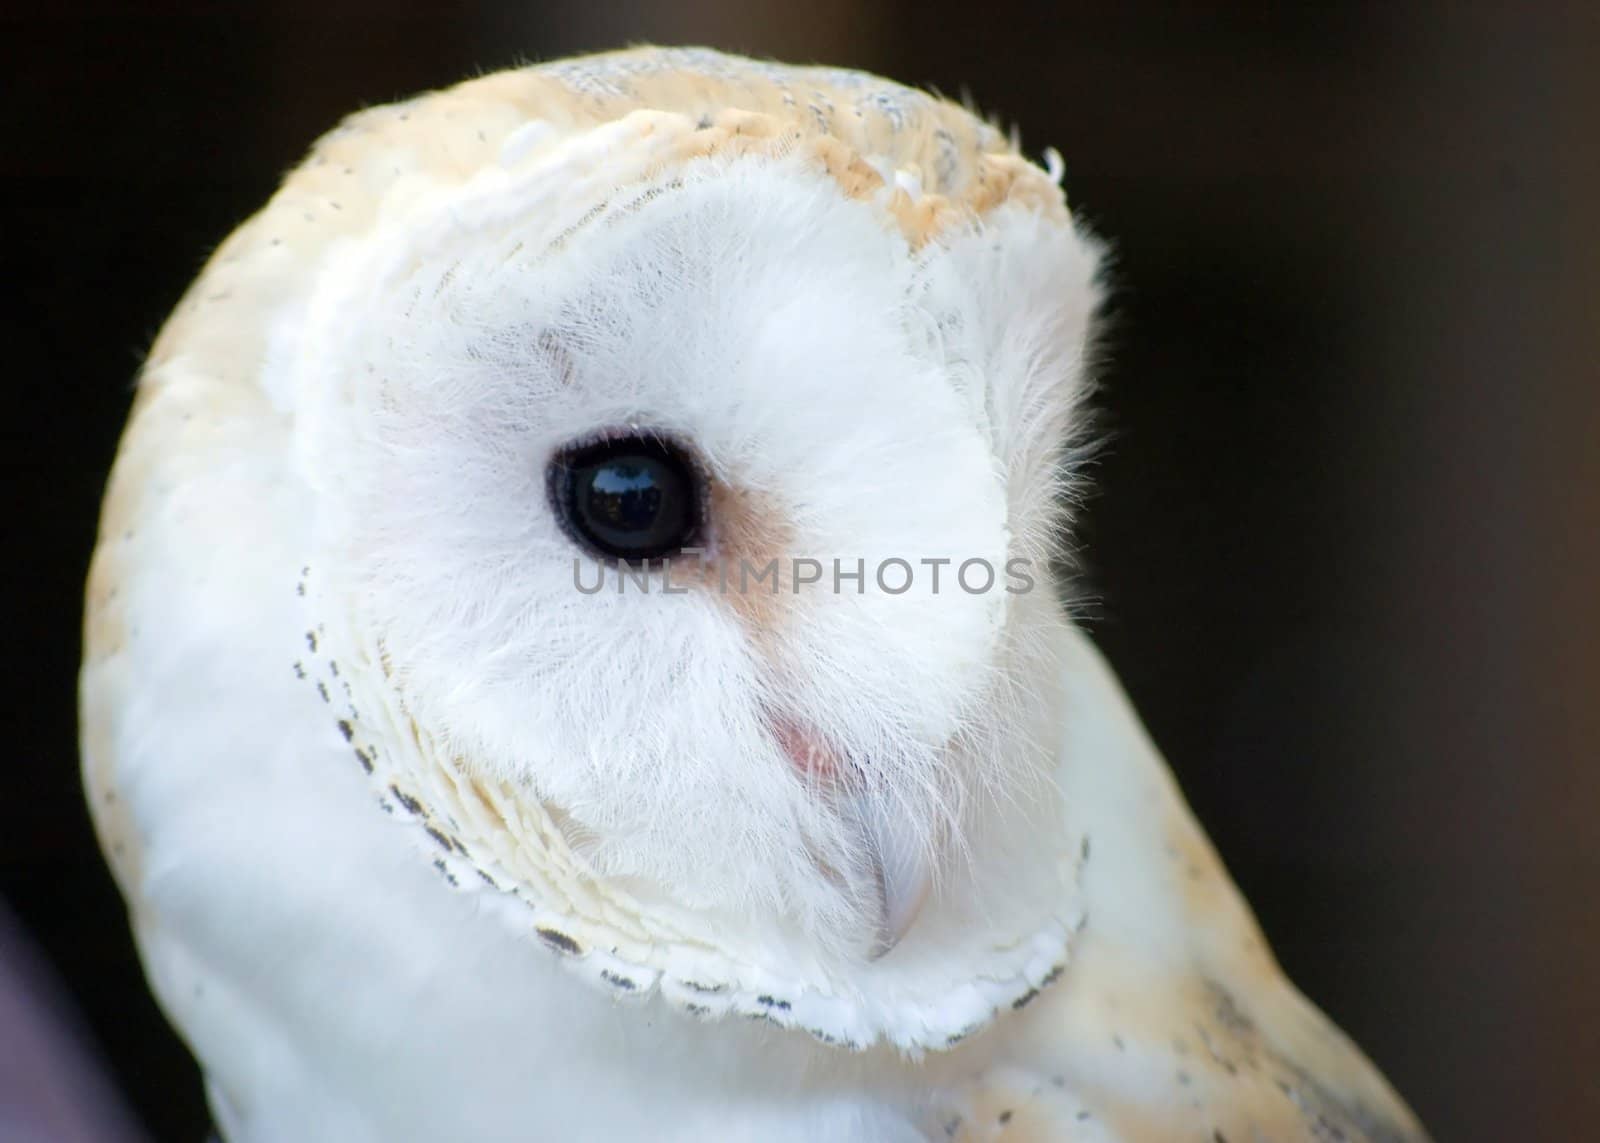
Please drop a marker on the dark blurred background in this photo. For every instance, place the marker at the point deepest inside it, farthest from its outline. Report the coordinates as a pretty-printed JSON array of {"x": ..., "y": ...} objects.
[{"x": 1346, "y": 549}]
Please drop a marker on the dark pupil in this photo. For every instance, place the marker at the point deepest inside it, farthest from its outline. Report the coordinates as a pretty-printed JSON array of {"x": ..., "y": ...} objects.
[{"x": 632, "y": 497}]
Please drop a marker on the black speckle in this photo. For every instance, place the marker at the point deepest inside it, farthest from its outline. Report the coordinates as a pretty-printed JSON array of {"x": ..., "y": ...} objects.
[
  {"x": 333, "y": 668},
  {"x": 439, "y": 837},
  {"x": 299, "y": 671},
  {"x": 1218, "y": 1137},
  {"x": 1085, "y": 1116},
  {"x": 489, "y": 881},
  {"x": 406, "y": 800},
  {"x": 1183, "y": 1078},
  {"x": 361, "y": 757},
  {"x": 560, "y": 941},
  {"x": 1229, "y": 1014},
  {"x": 322, "y": 690},
  {"x": 1083, "y": 850},
  {"x": 702, "y": 123},
  {"x": 300, "y": 588},
  {"x": 311, "y": 641},
  {"x": 1005, "y": 1116},
  {"x": 773, "y": 1002},
  {"x": 617, "y": 981},
  {"x": 1024, "y": 1000},
  {"x": 1117, "y": 1040},
  {"x": 697, "y": 1010},
  {"x": 346, "y": 729},
  {"x": 1052, "y": 976},
  {"x": 1326, "y": 1132},
  {"x": 444, "y": 871},
  {"x": 703, "y": 989}
]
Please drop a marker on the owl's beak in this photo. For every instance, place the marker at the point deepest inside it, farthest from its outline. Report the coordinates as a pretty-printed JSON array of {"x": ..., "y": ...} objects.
[
  {"x": 899, "y": 863},
  {"x": 897, "y": 860}
]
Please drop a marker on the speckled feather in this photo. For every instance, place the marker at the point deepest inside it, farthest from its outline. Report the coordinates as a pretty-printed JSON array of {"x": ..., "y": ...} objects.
[{"x": 240, "y": 773}]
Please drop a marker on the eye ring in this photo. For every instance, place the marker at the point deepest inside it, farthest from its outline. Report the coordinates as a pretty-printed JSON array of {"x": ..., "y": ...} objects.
[{"x": 630, "y": 494}]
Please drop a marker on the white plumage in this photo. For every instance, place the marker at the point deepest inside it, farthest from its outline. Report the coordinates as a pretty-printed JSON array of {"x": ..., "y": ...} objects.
[{"x": 421, "y": 840}]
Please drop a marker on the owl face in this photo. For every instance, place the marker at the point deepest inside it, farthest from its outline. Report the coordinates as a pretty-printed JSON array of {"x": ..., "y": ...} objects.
[{"x": 701, "y": 503}]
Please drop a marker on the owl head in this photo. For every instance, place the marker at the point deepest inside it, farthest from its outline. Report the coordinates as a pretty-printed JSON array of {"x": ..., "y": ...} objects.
[{"x": 684, "y": 443}]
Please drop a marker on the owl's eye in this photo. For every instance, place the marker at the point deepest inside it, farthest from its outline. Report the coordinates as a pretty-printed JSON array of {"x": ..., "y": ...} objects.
[{"x": 634, "y": 497}]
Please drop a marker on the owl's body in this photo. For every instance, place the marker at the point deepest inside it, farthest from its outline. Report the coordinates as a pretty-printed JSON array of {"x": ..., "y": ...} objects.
[{"x": 422, "y": 840}]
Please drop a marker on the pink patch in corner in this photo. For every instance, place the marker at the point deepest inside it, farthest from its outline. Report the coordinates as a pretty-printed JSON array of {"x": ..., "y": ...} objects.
[{"x": 810, "y": 754}]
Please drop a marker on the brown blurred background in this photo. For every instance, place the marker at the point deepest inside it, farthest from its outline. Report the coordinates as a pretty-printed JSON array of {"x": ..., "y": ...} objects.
[{"x": 1346, "y": 551}]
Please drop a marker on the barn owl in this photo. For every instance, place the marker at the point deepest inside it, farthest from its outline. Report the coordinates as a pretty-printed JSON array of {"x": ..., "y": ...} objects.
[{"x": 520, "y": 700}]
